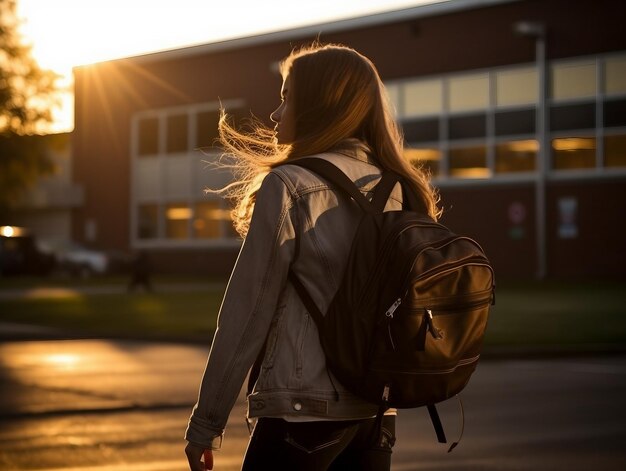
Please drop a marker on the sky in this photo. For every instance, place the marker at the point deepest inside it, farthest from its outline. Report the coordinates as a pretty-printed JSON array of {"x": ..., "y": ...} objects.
[{"x": 68, "y": 33}]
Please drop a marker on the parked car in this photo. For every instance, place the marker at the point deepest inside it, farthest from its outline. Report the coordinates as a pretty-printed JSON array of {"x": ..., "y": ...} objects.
[
  {"x": 75, "y": 259},
  {"x": 21, "y": 255}
]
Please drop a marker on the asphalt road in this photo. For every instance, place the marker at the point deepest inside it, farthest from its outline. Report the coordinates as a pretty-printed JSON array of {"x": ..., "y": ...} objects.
[{"x": 111, "y": 406}]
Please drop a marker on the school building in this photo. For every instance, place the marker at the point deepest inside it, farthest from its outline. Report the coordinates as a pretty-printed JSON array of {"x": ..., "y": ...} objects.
[{"x": 517, "y": 107}]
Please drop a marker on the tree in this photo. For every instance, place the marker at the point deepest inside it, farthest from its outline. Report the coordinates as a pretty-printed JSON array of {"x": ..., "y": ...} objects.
[{"x": 26, "y": 99}]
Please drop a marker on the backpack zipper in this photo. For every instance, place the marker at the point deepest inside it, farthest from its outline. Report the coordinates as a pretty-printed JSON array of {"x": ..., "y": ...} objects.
[
  {"x": 387, "y": 244},
  {"x": 393, "y": 308},
  {"x": 460, "y": 363},
  {"x": 477, "y": 261},
  {"x": 479, "y": 299}
]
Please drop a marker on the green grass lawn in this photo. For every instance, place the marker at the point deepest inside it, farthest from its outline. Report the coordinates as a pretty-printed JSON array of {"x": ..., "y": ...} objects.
[
  {"x": 558, "y": 313},
  {"x": 546, "y": 313},
  {"x": 186, "y": 315}
]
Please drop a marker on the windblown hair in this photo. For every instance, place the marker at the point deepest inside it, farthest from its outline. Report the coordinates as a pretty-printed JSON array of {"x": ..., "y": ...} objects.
[{"x": 337, "y": 94}]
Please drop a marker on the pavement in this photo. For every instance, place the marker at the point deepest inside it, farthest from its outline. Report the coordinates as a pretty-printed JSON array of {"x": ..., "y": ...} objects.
[
  {"x": 118, "y": 405},
  {"x": 10, "y": 331},
  {"x": 70, "y": 403}
]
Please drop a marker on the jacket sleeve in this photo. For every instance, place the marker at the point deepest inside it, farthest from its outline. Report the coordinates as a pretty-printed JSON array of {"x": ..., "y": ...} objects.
[{"x": 248, "y": 307}]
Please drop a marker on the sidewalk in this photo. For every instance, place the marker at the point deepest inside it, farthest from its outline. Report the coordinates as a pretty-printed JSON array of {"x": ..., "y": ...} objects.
[
  {"x": 521, "y": 414},
  {"x": 10, "y": 331}
]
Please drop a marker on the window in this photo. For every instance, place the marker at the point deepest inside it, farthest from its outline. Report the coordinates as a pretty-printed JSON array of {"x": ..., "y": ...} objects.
[
  {"x": 574, "y": 153},
  {"x": 615, "y": 75},
  {"x": 208, "y": 220},
  {"x": 469, "y": 162},
  {"x": 393, "y": 95},
  {"x": 615, "y": 113},
  {"x": 578, "y": 116},
  {"x": 469, "y": 92},
  {"x": 516, "y": 87},
  {"x": 148, "y": 136},
  {"x": 615, "y": 151},
  {"x": 421, "y": 130},
  {"x": 177, "y": 133},
  {"x": 168, "y": 202},
  {"x": 148, "y": 218},
  {"x": 467, "y": 126},
  {"x": 177, "y": 218},
  {"x": 147, "y": 179},
  {"x": 515, "y": 122},
  {"x": 427, "y": 158},
  {"x": 516, "y": 156},
  {"x": 423, "y": 97},
  {"x": 574, "y": 80}
]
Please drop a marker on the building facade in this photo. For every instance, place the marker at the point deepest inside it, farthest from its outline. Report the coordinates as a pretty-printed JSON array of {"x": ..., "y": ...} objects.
[
  {"x": 46, "y": 208},
  {"x": 517, "y": 108}
]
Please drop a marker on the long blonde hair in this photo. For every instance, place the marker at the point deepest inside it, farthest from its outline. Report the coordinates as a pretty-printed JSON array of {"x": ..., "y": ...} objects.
[{"x": 337, "y": 94}]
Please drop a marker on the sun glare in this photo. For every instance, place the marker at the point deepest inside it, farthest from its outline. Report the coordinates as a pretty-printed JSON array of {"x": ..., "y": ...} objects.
[
  {"x": 62, "y": 360},
  {"x": 67, "y": 33}
]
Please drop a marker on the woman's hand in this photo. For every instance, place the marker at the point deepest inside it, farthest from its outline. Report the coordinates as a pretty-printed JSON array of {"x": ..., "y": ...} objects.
[{"x": 194, "y": 456}]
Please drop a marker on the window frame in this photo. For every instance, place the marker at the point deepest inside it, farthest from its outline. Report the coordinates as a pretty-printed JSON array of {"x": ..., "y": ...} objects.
[
  {"x": 193, "y": 159},
  {"x": 491, "y": 140}
]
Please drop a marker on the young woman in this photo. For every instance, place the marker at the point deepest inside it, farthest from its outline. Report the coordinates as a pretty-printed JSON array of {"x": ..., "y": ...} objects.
[{"x": 334, "y": 107}]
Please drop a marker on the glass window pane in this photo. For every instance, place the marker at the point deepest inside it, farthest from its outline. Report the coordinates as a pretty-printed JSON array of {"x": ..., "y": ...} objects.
[
  {"x": 206, "y": 128},
  {"x": 515, "y": 122},
  {"x": 516, "y": 156},
  {"x": 467, "y": 126},
  {"x": 177, "y": 218},
  {"x": 615, "y": 75},
  {"x": 615, "y": 151},
  {"x": 208, "y": 220},
  {"x": 579, "y": 116},
  {"x": 469, "y": 92},
  {"x": 574, "y": 152},
  {"x": 614, "y": 113},
  {"x": 147, "y": 221},
  {"x": 426, "y": 158},
  {"x": 573, "y": 80},
  {"x": 469, "y": 162},
  {"x": 393, "y": 95},
  {"x": 148, "y": 180},
  {"x": 423, "y": 97},
  {"x": 177, "y": 133},
  {"x": 148, "y": 136},
  {"x": 516, "y": 87},
  {"x": 421, "y": 130}
]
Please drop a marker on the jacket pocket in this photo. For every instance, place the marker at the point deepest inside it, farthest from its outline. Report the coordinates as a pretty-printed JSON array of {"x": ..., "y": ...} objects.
[
  {"x": 311, "y": 437},
  {"x": 272, "y": 337},
  {"x": 304, "y": 330}
]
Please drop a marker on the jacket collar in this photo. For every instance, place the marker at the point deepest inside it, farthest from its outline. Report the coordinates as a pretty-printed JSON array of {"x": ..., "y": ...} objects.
[{"x": 355, "y": 149}]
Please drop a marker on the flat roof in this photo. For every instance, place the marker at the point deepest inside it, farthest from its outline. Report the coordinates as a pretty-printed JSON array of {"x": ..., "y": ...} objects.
[{"x": 437, "y": 7}]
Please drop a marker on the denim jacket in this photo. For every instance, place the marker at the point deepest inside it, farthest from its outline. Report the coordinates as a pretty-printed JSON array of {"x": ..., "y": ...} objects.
[{"x": 298, "y": 223}]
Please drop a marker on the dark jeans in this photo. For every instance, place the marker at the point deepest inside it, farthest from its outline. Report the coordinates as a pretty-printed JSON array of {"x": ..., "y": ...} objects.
[{"x": 318, "y": 446}]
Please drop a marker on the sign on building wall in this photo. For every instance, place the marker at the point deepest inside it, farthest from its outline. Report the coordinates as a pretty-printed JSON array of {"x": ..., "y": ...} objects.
[
  {"x": 517, "y": 215},
  {"x": 568, "y": 217}
]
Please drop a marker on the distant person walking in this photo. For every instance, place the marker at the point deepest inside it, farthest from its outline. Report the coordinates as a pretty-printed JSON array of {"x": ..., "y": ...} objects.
[
  {"x": 140, "y": 276},
  {"x": 334, "y": 106}
]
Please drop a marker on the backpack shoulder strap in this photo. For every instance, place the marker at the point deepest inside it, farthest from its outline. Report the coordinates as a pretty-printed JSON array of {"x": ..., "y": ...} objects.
[
  {"x": 382, "y": 191},
  {"x": 336, "y": 177}
]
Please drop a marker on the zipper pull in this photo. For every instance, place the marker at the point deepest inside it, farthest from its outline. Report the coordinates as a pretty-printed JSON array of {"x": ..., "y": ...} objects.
[
  {"x": 434, "y": 331},
  {"x": 393, "y": 308},
  {"x": 386, "y": 393}
]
